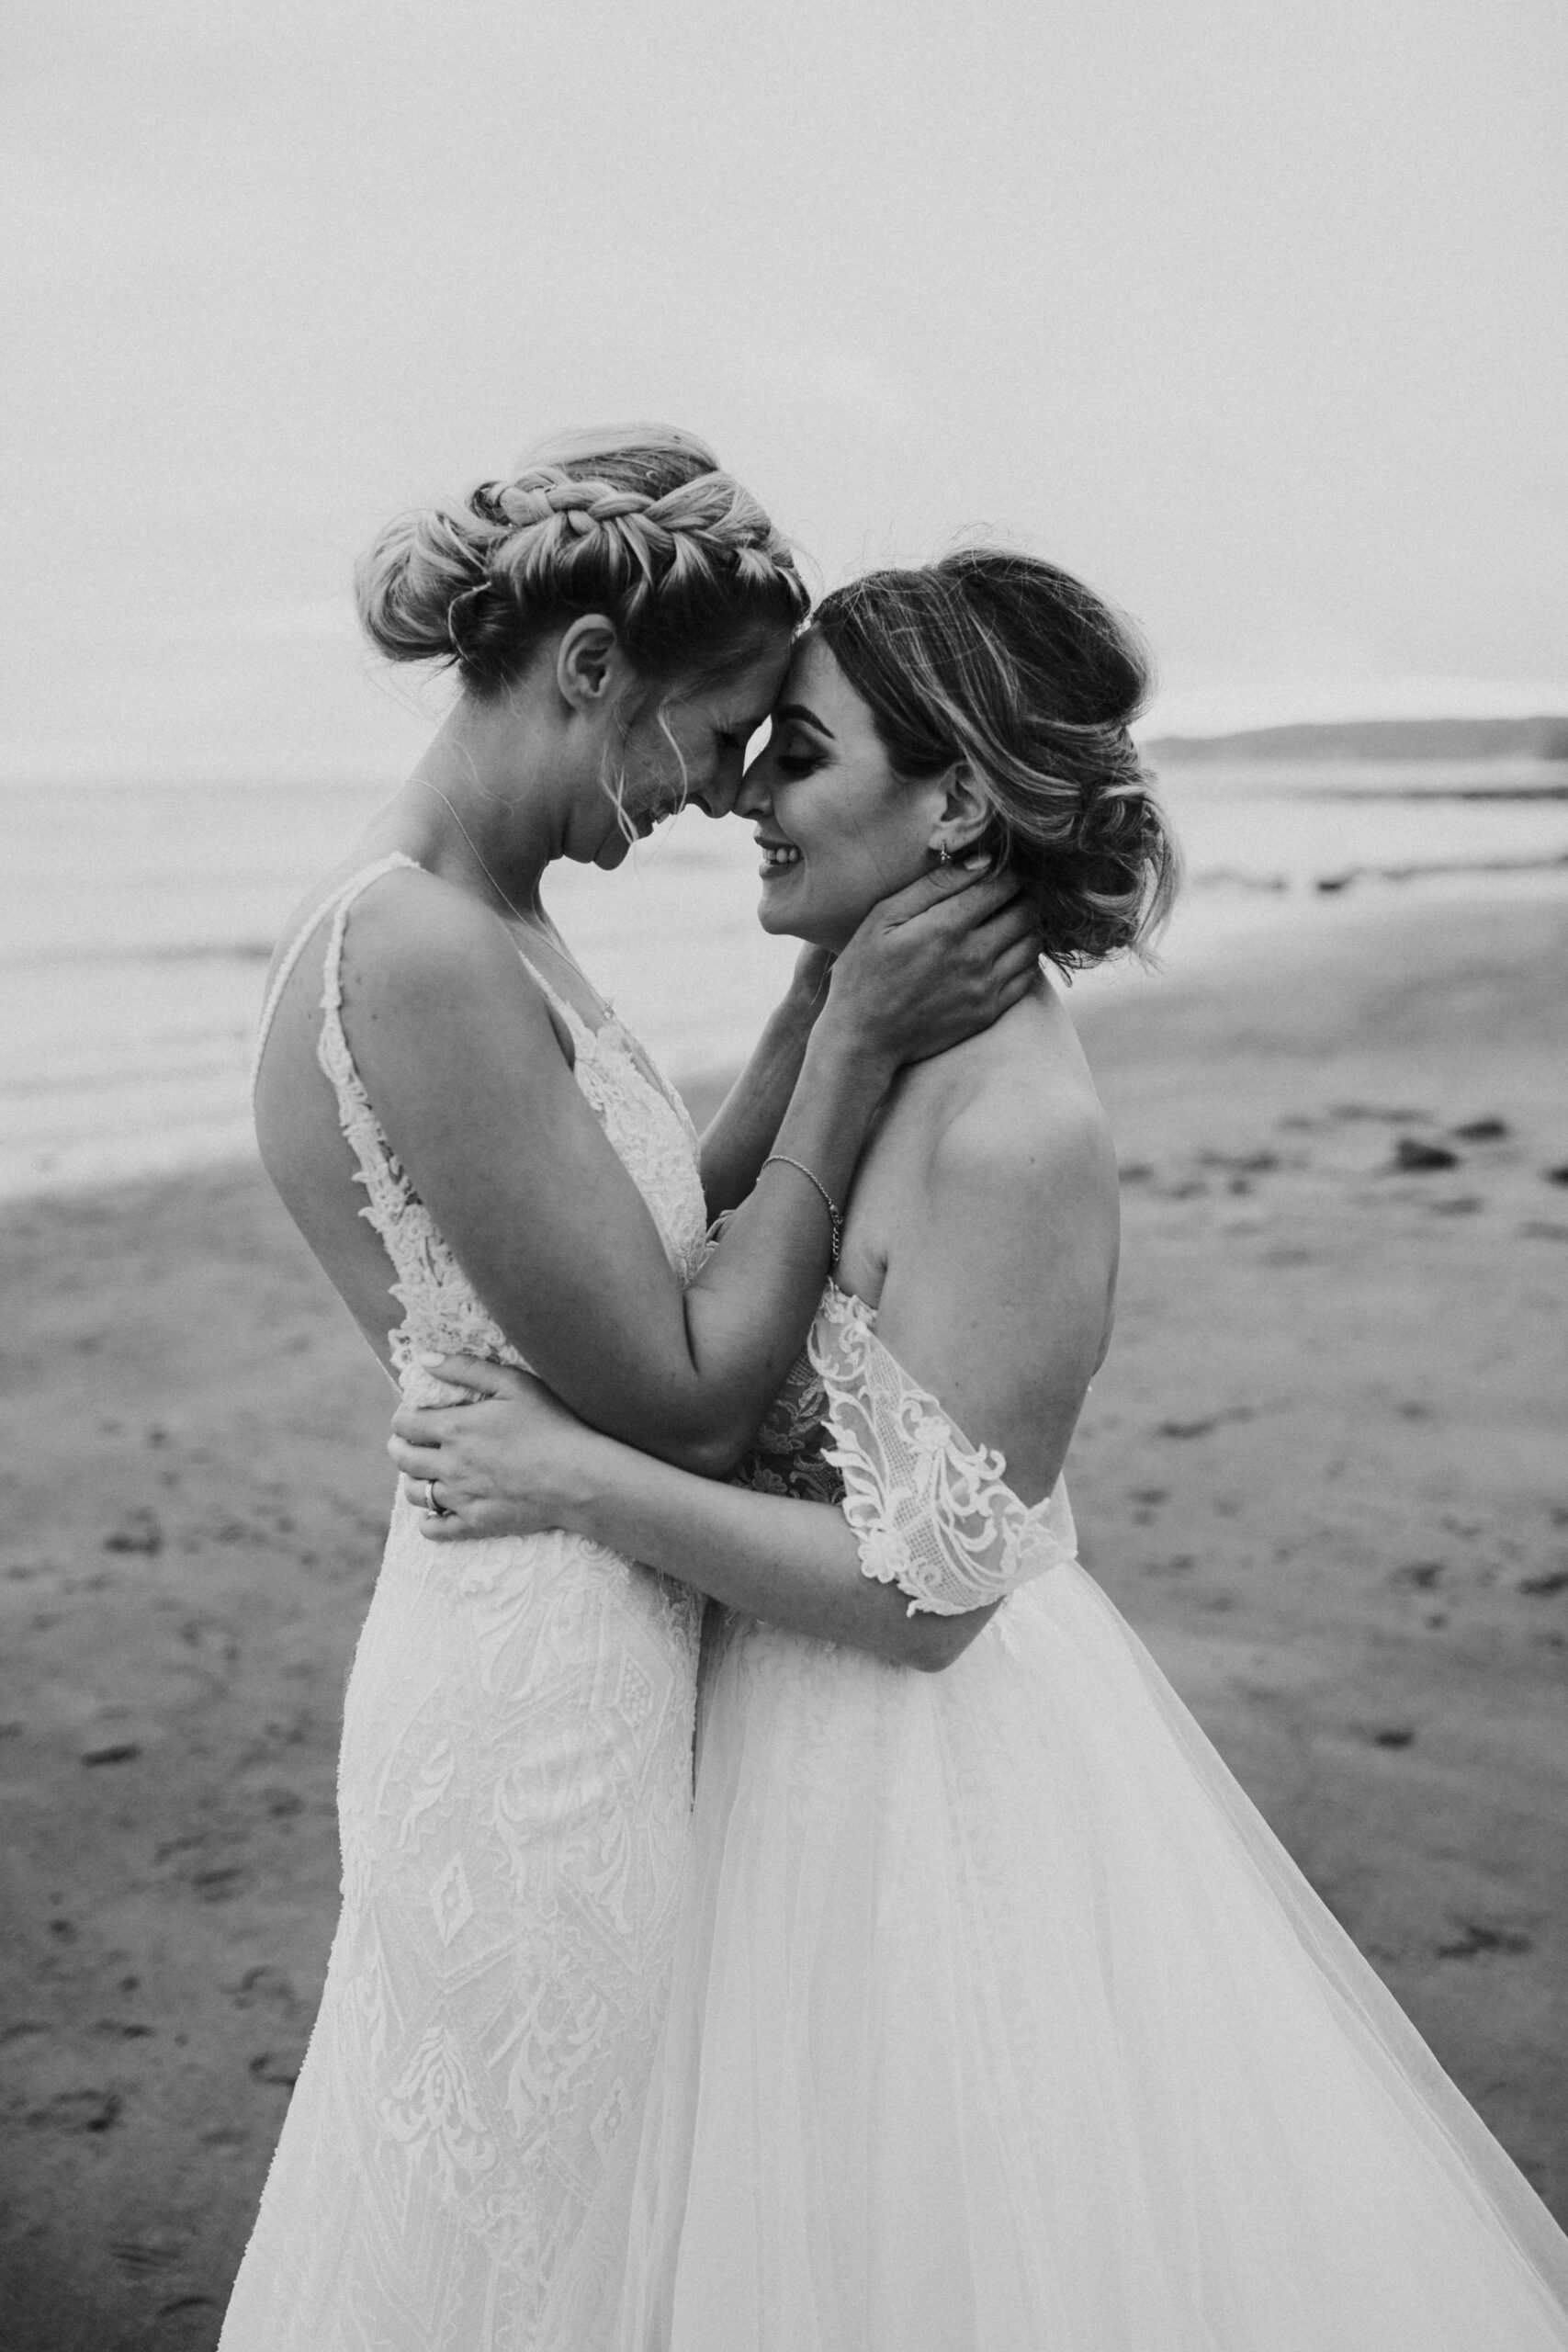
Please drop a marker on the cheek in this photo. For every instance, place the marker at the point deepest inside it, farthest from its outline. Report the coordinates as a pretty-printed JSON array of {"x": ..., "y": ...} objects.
[{"x": 866, "y": 862}]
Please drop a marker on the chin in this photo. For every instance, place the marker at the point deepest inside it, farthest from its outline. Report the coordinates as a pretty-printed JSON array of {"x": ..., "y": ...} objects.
[{"x": 834, "y": 936}]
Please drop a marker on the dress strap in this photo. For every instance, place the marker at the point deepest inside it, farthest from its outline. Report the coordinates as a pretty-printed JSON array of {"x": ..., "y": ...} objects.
[
  {"x": 553, "y": 996},
  {"x": 614, "y": 1036},
  {"x": 338, "y": 901}
]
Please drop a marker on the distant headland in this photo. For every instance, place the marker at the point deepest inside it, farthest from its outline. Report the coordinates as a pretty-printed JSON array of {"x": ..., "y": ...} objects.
[{"x": 1378, "y": 739}]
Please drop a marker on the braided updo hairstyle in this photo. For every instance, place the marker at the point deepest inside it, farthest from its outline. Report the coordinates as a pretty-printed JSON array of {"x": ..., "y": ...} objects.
[
  {"x": 1021, "y": 673},
  {"x": 638, "y": 523}
]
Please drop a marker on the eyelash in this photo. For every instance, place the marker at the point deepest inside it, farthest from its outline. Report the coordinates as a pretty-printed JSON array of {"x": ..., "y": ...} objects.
[{"x": 797, "y": 763}]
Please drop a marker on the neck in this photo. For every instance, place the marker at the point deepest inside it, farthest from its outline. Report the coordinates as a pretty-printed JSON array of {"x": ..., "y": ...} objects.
[{"x": 489, "y": 802}]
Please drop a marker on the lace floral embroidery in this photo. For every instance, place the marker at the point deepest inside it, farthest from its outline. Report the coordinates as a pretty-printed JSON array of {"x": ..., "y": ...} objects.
[
  {"x": 790, "y": 1455},
  {"x": 645, "y": 1123},
  {"x": 932, "y": 1513},
  {"x": 515, "y": 1799}
]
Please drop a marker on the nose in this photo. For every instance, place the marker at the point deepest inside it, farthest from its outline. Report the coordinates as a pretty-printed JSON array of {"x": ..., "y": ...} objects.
[
  {"x": 717, "y": 797},
  {"x": 754, "y": 799}
]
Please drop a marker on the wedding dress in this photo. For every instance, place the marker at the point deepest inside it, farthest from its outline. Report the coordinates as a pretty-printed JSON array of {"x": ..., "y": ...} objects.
[
  {"x": 514, "y": 1793},
  {"x": 1000, "y": 2022}
]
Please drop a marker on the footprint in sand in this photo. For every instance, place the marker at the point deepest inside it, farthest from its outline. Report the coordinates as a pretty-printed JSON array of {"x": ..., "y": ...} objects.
[
  {"x": 1476, "y": 1936},
  {"x": 88, "y": 2111},
  {"x": 280, "y": 2068},
  {"x": 1202, "y": 1428},
  {"x": 1395, "y": 1118},
  {"x": 140, "y": 1532},
  {"x": 1413, "y": 1157}
]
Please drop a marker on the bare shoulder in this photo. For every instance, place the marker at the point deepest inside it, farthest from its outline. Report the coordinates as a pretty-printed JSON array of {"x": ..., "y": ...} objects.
[
  {"x": 1025, "y": 1121},
  {"x": 413, "y": 936},
  {"x": 408, "y": 926},
  {"x": 435, "y": 996},
  {"x": 999, "y": 1239}
]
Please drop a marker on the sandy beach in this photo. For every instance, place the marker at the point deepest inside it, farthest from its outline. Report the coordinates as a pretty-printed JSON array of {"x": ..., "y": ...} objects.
[{"x": 1322, "y": 1474}]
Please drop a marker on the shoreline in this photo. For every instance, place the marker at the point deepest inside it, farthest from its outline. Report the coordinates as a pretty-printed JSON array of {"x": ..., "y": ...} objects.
[
  {"x": 159, "y": 1123},
  {"x": 1320, "y": 1474}
]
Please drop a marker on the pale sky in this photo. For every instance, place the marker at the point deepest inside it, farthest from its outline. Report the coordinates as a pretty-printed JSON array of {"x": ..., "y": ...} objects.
[{"x": 1250, "y": 310}]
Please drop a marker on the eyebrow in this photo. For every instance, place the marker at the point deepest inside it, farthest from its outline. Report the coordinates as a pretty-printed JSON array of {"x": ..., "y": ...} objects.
[{"x": 787, "y": 711}]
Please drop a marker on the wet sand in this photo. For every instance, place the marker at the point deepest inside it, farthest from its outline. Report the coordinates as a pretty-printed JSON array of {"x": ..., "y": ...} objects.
[{"x": 1323, "y": 1472}]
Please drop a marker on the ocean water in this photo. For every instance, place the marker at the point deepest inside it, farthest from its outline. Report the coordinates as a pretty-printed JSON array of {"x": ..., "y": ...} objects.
[{"x": 136, "y": 922}]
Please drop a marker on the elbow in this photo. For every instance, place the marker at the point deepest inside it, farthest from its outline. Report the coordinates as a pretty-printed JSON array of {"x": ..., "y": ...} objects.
[
  {"x": 708, "y": 1445},
  {"x": 709, "y": 1453},
  {"x": 930, "y": 1644}
]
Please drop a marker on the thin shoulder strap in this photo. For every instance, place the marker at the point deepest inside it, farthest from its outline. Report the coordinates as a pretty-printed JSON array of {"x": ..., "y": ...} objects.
[
  {"x": 337, "y": 903},
  {"x": 568, "y": 1011}
]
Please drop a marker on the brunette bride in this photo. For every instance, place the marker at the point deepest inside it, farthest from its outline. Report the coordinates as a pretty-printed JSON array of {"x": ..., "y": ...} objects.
[
  {"x": 1000, "y": 2020},
  {"x": 483, "y": 1160}
]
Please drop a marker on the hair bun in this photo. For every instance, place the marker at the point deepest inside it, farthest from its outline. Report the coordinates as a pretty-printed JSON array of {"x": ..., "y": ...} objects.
[
  {"x": 1022, "y": 673},
  {"x": 647, "y": 531}
]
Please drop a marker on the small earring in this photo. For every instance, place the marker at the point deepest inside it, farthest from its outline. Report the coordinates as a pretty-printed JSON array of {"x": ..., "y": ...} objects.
[{"x": 944, "y": 854}]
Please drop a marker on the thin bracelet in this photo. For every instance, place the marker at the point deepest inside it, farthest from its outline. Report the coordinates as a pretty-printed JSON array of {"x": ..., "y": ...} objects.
[{"x": 834, "y": 1218}]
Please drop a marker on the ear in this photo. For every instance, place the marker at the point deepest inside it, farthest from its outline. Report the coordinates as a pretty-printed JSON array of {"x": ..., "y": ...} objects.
[
  {"x": 590, "y": 668},
  {"x": 963, "y": 815}
]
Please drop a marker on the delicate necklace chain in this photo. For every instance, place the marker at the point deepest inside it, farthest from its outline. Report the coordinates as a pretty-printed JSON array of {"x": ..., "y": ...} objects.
[{"x": 533, "y": 928}]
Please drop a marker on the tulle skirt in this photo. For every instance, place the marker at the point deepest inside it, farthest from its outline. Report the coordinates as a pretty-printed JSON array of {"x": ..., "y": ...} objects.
[{"x": 1001, "y": 2022}]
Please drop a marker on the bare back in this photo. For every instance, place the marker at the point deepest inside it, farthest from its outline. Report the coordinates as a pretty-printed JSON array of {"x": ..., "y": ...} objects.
[
  {"x": 303, "y": 1147},
  {"x": 348, "y": 1188}
]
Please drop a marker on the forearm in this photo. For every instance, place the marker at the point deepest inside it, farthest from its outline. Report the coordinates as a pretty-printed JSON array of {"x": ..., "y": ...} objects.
[
  {"x": 748, "y": 1310},
  {"x": 745, "y": 1127},
  {"x": 793, "y": 1564}
]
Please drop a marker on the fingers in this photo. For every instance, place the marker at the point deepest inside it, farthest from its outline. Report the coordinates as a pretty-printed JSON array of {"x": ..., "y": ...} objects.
[
  {"x": 449, "y": 1529},
  {"x": 978, "y": 890},
  {"x": 1013, "y": 934},
  {"x": 1020, "y": 963},
  {"x": 472, "y": 1373},
  {"x": 988, "y": 914},
  {"x": 1011, "y": 923},
  {"x": 421, "y": 1492},
  {"x": 486, "y": 1384},
  {"x": 414, "y": 1460},
  {"x": 1013, "y": 984},
  {"x": 443, "y": 1525}
]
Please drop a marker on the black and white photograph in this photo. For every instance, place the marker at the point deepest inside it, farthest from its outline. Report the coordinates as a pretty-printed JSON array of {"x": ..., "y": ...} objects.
[{"x": 783, "y": 1177}]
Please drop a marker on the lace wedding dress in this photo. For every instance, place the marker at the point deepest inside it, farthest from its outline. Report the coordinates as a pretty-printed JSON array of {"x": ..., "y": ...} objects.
[
  {"x": 1000, "y": 2022},
  {"x": 514, "y": 1794}
]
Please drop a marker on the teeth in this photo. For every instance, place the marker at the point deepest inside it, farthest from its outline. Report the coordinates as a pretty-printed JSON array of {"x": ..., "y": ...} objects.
[{"x": 774, "y": 859}]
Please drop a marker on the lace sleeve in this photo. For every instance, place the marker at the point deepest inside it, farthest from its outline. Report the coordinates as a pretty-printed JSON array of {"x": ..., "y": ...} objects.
[{"x": 932, "y": 1513}]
